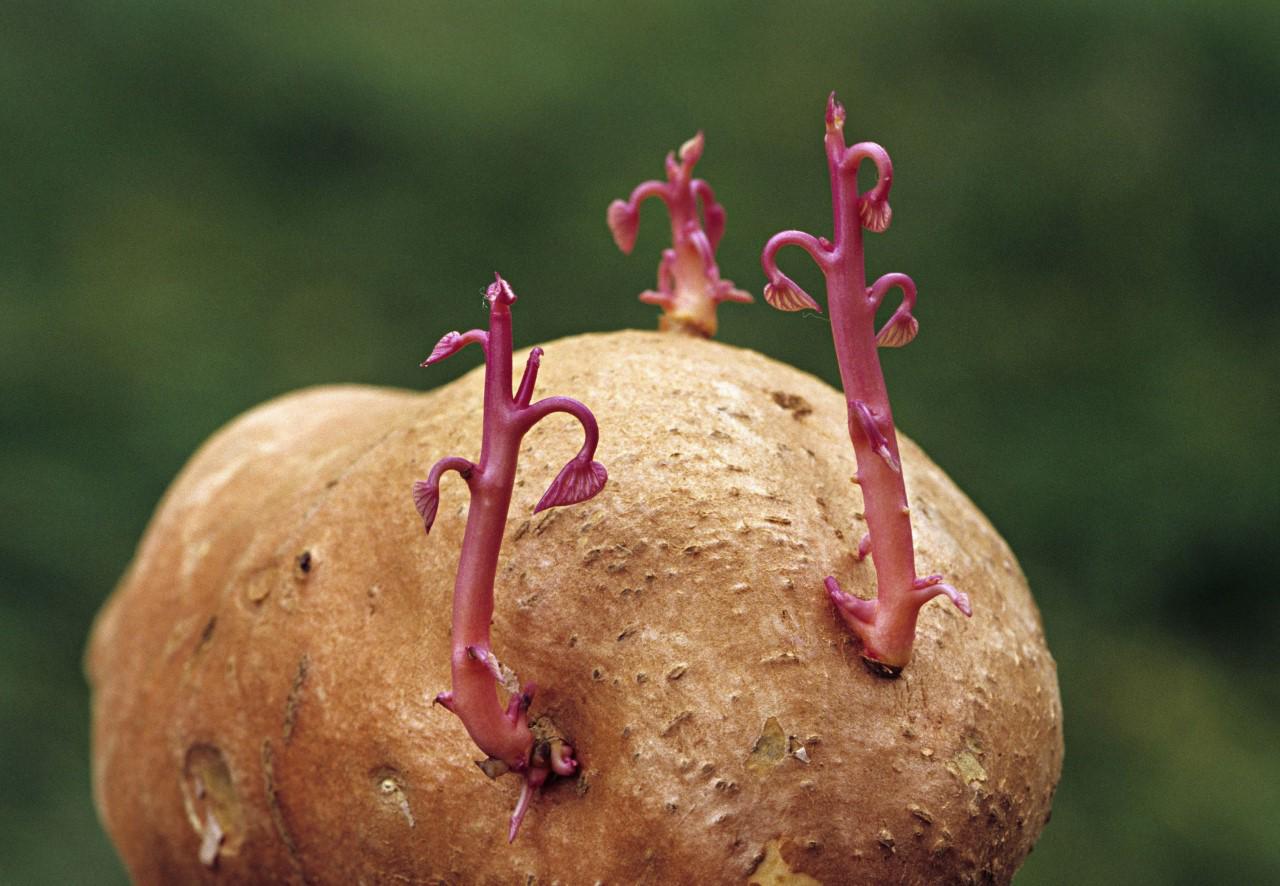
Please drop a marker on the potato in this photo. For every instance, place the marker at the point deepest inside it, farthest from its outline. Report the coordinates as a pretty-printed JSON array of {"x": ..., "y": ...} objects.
[{"x": 269, "y": 660}]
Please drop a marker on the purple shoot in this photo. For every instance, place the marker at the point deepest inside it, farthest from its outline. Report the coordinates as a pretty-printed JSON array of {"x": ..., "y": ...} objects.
[
  {"x": 689, "y": 284},
  {"x": 886, "y": 624},
  {"x": 504, "y": 734}
]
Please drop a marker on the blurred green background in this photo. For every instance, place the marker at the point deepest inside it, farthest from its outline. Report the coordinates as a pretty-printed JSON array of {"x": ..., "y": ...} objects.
[{"x": 204, "y": 205}]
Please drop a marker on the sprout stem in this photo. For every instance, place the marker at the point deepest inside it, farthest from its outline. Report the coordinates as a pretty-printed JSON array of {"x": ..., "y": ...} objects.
[
  {"x": 886, "y": 624},
  {"x": 503, "y": 734}
]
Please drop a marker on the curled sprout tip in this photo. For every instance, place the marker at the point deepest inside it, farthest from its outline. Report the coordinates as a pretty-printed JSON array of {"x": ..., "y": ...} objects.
[
  {"x": 426, "y": 493},
  {"x": 785, "y": 295},
  {"x": 875, "y": 215},
  {"x": 577, "y": 481},
  {"x": 426, "y": 498},
  {"x": 624, "y": 224},
  {"x": 449, "y": 343},
  {"x": 781, "y": 291},
  {"x": 452, "y": 342},
  {"x": 902, "y": 326},
  {"x": 900, "y": 331}
]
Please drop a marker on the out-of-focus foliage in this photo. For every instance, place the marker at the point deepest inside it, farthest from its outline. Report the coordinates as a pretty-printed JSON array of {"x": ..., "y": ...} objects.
[{"x": 203, "y": 205}]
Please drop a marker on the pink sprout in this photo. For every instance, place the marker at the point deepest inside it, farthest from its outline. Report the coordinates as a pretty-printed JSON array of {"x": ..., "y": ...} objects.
[
  {"x": 886, "y": 623},
  {"x": 689, "y": 284},
  {"x": 503, "y": 734}
]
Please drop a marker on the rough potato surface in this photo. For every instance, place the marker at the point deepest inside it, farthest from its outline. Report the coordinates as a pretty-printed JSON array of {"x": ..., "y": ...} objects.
[{"x": 271, "y": 654}]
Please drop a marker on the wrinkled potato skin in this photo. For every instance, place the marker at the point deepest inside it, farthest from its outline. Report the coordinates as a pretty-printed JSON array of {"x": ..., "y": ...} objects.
[{"x": 285, "y": 615}]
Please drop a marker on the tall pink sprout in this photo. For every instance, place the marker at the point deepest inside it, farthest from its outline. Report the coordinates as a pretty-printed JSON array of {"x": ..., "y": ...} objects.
[
  {"x": 689, "y": 284},
  {"x": 886, "y": 624},
  {"x": 502, "y": 733}
]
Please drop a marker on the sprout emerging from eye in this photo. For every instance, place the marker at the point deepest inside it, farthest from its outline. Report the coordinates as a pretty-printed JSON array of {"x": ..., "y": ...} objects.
[
  {"x": 886, "y": 624},
  {"x": 689, "y": 284},
  {"x": 504, "y": 735}
]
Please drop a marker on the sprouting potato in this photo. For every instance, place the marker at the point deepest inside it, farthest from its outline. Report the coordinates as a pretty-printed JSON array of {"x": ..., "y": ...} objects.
[{"x": 264, "y": 674}]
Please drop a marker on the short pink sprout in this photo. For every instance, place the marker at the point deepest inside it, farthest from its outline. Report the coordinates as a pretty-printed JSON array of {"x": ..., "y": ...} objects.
[
  {"x": 504, "y": 734},
  {"x": 886, "y": 623},
  {"x": 562, "y": 760},
  {"x": 689, "y": 284}
]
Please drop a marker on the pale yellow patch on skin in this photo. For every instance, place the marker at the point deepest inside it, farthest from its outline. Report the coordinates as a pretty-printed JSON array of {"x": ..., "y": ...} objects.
[
  {"x": 770, "y": 748},
  {"x": 966, "y": 766},
  {"x": 774, "y": 871}
]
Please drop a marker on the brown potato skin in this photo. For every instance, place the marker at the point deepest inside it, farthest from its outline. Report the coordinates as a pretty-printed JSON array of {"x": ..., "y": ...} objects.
[{"x": 285, "y": 615}]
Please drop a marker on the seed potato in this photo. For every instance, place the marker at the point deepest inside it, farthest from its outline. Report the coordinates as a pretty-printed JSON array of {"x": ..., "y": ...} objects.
[{"x": 263, "y": 674}]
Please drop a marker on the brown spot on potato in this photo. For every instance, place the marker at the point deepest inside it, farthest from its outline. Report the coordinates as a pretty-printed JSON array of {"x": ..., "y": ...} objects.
[
  {"x": 920, "y": 812},
  {"x": 545, "y": 523},
  {"x": 295, "y": 698},
  {"x": 207, "y": 634},
  {"x": 798, "y": 406},
  {"x": 276, "y": 809}
]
